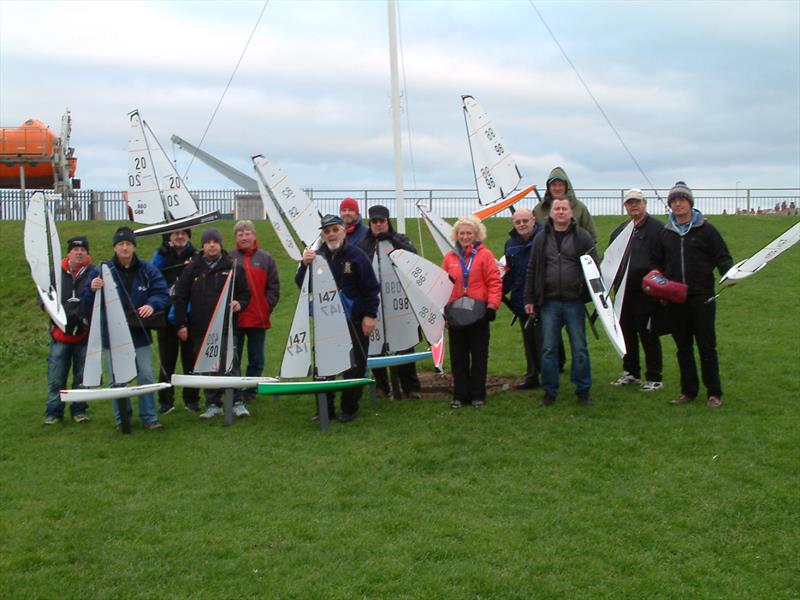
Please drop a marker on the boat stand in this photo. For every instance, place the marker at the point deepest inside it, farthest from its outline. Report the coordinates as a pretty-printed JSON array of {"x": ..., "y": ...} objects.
[
  {"x": 322, "y": 407},
  {"x": 227, "y": 408},
  {"x": 124, "y": 414}
]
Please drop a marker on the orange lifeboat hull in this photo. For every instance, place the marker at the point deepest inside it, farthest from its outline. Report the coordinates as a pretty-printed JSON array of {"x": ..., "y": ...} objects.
[{"x": 30, "y": 146}]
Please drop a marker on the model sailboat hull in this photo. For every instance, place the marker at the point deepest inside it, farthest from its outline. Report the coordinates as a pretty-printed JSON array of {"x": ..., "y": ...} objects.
[
  {"x": 377, "y": 362},
  {"x": 293, "y": 388},
  {"x": 178, "y": 225},
  {"x": 603, "y": 304},
  {"x": 114, "y": 393},
  {"x": 219, "y": 382}
]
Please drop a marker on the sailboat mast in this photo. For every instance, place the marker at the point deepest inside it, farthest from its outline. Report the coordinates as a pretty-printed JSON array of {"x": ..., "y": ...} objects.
[
  {"x": 400, "y": 210},
  {"x": 167, "y": 216}
]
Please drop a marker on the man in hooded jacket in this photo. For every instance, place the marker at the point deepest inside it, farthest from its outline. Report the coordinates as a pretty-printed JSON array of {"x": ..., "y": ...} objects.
[{"x": 559, "y": 186}]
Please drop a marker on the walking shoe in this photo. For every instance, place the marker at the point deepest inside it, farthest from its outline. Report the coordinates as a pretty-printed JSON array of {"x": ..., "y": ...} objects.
[
  {"x": 528, "y": 384},
  {"x": 652, "y": 386},
  {"x": 51, "y": 421},
  {"x": 81, "y": 418},
  {"x": 152, "y": 426},
  {"x": 584, "y": 399},
  {"x": 478, "y": 402},
  {"x": 165, "y": 409},
  {"x": 681, "y": 399},
  {"x": 240, "y": 410},
  {"x": 193, "y": 406},
  {"x": 547, "y": 400},
  {"x": 347, "y": 417},
  {"x": 212, "y": 411},
  {"x": 714, "y": 402},
  {"x": 455, "y": 404},
  {"x": 626, "y": 379}
]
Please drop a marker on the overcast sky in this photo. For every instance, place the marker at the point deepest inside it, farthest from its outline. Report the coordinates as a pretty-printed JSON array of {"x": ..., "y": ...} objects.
[{"x": 708, "y": 92}]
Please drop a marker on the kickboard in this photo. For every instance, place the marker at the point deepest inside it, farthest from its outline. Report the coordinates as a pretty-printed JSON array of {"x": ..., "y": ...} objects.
[
  {"x": 287, "y": 388},
  {"x": 603, "y": 303},
  {"x": 219, "y": 382},
  {"x": 376, "y": 362},
  {"x": 111, "y": 393},
  {"x": 178, "y": 225}
]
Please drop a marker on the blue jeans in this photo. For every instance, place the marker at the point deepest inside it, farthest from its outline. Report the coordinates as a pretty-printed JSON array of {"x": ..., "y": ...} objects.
[
  {"x": 553, "y": 316},
  {"x": 256, "y": 339},
  {"x": 144, "y": 375},
  {"x": 63, "y": 355}
]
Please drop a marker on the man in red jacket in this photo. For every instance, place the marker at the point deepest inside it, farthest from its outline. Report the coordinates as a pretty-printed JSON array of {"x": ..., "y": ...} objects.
[{"x": 265, "y": 291}]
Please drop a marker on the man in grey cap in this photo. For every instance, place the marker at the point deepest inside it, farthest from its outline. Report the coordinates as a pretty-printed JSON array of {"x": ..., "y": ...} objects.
[
  {"x": 640, "y": 312},
  {"x": 359, "y": 290}
]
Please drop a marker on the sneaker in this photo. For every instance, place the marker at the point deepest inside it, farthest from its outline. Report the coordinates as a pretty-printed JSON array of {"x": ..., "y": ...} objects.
[
  {"x": 584, "y": 399},
  {"x": 193, "y": 407},
  {"x": 240, "y": 410},
  {"x": 455, "y": 404},
  {"x": 51, "y": 421},
  {"x": 652, "y": 386},
  {"x": 681, "y": 399},
  {"x": 528, "y": 384},
  {"x": 626, "y": 379},
  {"x": 152, "y": 426},
  {"x": 347, "y": 417},
  {"x": 212, "y": 411},
  {"x": 165, "y": 409},
  {"x": 81, "y": 418},
  {"x": 547, "y": 400},
  {"x": 714, "y": 402},
  {"x": 478, "y": 403}
]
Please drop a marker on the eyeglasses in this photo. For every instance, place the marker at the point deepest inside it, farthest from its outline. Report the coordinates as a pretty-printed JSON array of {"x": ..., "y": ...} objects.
[
  {"x": 377, "y": 220},
  {"x": 520, "y": 221}
]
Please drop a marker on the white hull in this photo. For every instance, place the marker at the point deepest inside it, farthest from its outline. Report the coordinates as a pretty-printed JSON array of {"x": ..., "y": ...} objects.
[
  {"x": 114, "y": 393},
  {"x": 219, "y": 382},
  {"x": 603, "y": 304}
]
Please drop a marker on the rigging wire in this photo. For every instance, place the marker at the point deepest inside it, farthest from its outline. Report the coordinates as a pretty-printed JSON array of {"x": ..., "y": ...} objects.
[
  {"x": 227, "y": 85},
  {"x": 408, "y": 124},
  {"x": 597, "y": 104}
]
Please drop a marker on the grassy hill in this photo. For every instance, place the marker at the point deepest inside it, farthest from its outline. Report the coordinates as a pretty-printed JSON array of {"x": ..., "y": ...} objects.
[{"x": 631, "y": 497}]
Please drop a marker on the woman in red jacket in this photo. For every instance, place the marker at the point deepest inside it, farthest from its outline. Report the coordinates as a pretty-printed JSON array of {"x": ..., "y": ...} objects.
[{"x": 472, "y": 306}]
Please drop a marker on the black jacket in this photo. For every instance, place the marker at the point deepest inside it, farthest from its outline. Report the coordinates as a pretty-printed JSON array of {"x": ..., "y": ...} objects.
[
  {"x": 645, "y": 240},
  {"x": 398, "y": 240},
  {"x": 518, "y": 255},
  {"x": 201, "y": 286}
]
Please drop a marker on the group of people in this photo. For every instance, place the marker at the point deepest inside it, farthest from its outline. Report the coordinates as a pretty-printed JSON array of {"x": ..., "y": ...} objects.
[
  {"x": 175, "y": 294},
  {"x": 541, "y": 281},
  {"x": 544, "y": 286}
]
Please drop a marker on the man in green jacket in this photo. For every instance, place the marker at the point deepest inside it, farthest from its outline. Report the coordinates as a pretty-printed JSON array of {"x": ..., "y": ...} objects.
[{"x": 559, "y": 186}]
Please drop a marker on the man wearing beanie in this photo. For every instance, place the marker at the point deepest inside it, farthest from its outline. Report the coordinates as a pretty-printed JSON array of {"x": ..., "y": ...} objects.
[
  {"x": 142, "y": 292},
  {"x": 639, "y": 311},
  {"x": 351, "y": 215},
  {"x": 559, "y": 186},
  {"x": 688, "y": 251},
  {"x": 68, "y": 347},
  {"x": 196, "y": 295},
  {"x": 380, "y": 229},
  {"x": 171, "y": 257},
  {"x": 261, "y": 272}
]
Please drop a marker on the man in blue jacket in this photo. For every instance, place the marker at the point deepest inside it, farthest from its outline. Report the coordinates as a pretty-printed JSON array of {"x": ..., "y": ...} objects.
[
  {"x": 518, "y": 253},
  {"x": 355, "y": 278},
  {"x": 143, "y": 293}
]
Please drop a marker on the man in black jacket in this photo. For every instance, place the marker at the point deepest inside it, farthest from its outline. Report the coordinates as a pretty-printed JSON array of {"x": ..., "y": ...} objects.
[
  {"x": 201, "y": 284},
  {"x": 689, "y": 250},
  {"x": 639, "y": 311},
  {"x": 171, "y": 257},
  {"x": 555, "y": 290}
]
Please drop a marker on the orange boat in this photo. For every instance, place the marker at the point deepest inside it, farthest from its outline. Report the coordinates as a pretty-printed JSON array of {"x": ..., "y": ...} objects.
[{"x": 37, "y": 149}]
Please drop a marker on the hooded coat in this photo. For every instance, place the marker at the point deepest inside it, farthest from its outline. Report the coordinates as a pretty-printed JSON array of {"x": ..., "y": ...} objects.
[{"x": 579, "y": 211}]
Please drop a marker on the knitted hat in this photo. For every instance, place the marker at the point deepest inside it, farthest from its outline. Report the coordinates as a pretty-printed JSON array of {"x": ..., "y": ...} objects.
[
  {"x": 331, "y": 220},
  {"x": 678, "y": 191},
  {"x": 79, "y": 241},
  {"x": 211, "y": 234},
  {"x": 350, "y": 203},
  {"x": 378, "y": 212},
  {"x": 123, "y": 234},
  {"x": 634, "y": 194}
]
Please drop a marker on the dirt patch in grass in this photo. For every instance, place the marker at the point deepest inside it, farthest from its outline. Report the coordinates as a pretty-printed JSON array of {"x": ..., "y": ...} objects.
[{"x": 439, "y": 385}]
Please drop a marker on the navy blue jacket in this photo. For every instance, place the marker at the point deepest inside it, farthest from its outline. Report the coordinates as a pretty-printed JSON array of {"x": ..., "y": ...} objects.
[
  {"x": 352, "y": 270},
  {"x": 518, "y": 254}
]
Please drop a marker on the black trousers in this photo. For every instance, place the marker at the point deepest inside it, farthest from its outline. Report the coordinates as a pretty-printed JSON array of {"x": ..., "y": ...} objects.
[
  {"x": 352, "y": 396},
  {"x": 532, "y": 342},
  {"x": 406, "y": 374},
  {"x": 469, "y": 359},
  {"x": 693, "y": 322},
  {"x": 636, "y": 324},
  {"x": 168, "y": 347}
]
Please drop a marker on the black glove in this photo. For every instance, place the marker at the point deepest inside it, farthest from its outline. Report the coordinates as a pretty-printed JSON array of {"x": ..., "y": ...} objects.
[{"x": 491, "y": 314}]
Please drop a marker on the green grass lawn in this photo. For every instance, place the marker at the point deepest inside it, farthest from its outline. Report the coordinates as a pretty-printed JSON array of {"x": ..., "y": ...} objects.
[{"x": 630, "y": 497}]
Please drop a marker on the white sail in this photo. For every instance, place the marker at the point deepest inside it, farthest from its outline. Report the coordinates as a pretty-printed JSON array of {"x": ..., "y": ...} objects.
[
  {"x": 400, "y": 323},
  {"x": 93, "y": 366},
  {"x": 496, "y": 172},
  {"x": 332, "y": 343},
  {"x": 428, "y": 289},
  {"x": 123, "y": 353},
  {"x": 301, "y": 213},
  {"x": 229, "y": 342},
  {"x": 439, "y": 228},
  {"x": 612, "y": 258},
  {"x": 144, "y": 197},
  {"x": 282, "y": 231},
  {"x": 759, "y": 260},
  {"x": 208, "y": 355},
  {"x": 178, "y": 200},
  {"x": 55, "y": 249},
  {"x": 378, "y": 336},
  {"x": 620, "y": 297},
  {"x": 297, "y": 355}
]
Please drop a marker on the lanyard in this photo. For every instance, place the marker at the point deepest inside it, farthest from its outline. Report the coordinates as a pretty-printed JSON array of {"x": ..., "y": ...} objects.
[{"x": 465, "y": 267}]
